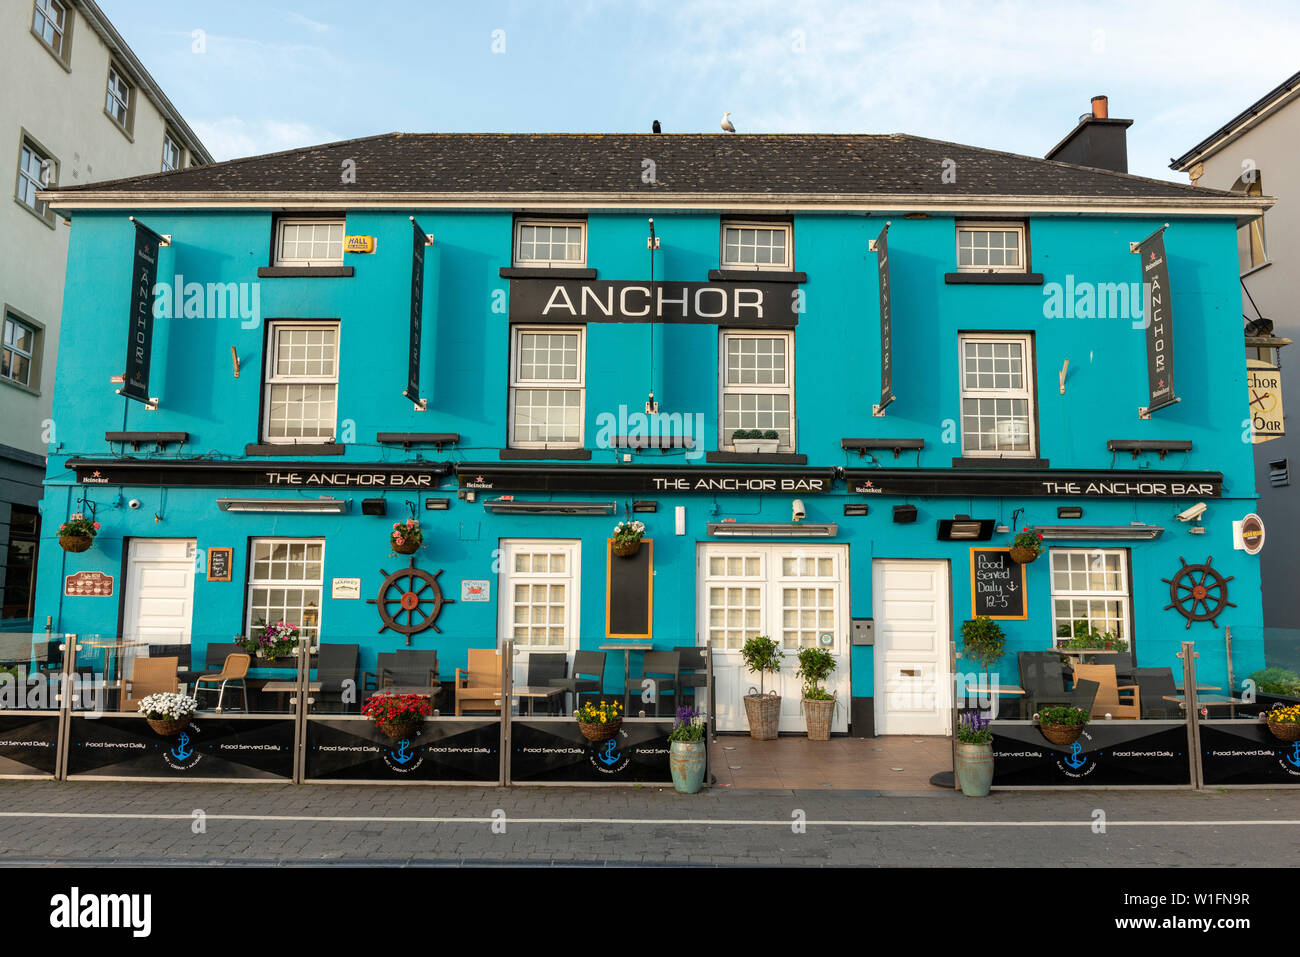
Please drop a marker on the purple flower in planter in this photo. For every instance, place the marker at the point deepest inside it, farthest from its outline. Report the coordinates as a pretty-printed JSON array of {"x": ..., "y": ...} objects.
[{"x": 685, "y": 715}]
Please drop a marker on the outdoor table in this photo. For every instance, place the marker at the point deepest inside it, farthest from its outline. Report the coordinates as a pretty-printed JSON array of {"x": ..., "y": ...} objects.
[
  {"x": 627, "y": 648},
  {"x": 285, "y": 687},
  {"x": 1009, "y": 690},
  {"x": 532, "y": 692},
  {"x": 426, "y": 690},
  {"x": 110, "y": 660},
  {"x": 1210, "y": 701}
]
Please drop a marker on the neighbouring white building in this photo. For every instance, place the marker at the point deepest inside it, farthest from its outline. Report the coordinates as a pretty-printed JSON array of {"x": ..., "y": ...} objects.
[{"x": 77, "y": 107}]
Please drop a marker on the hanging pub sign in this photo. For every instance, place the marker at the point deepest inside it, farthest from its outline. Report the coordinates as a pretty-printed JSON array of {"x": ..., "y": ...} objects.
[
  {"x": 139, "y": 339},
  {"x": 886, "y": 331},
  {"x": 1264, "y": 393},
  {"x": 756, "y": 304},
  {"x": 1062, "y": 483},
  {"x": 557, "y": 478},
  {"x": 206, "y": 473},
  {"x": 1159, "y": 319},
  {"x": 997, "y": 585},
  {"x": 421, "y": 240}
]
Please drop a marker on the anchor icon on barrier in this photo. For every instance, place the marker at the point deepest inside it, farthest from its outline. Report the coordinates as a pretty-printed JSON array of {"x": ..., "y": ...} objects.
[
  {"x": 1294, "y": 757},
  {"x": 1074, "y": 760},
  {"x": 403, "y": 754},
  {"x": 180, "y": 752},
  {"x": 607, "y": 755}
]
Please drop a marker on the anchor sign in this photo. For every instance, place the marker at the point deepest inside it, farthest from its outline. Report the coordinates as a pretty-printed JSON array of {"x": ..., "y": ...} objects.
[
  {"x": 607, "y": 755},
  {"x": 1074, "y": 759},
  {"x": 402, "y": 754},
  {"x": 1294, "y": 757},
  {"x": 607, "y": 758},
  {"x": 181, "y": 752},
  {"x": 182, "y": 757}
]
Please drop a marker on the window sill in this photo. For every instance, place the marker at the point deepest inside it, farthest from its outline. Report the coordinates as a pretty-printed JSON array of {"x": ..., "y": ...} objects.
[
  {"x": 1254, "y": 269},
  {"x": 578, "y": 455},
  {"x": 756, "y": 275},
  {"x": 124, "y": 130},
  {"x": 49, "y": 220},
  {"x": 50, "y": 50},
  {"x": 301, "y": 272},
  {"x": 991, "y": 462},
  {"x": 21, "y": 387},
  {"x": 547, "y": 272},
  {"x": 287, "y": 451},
  {"x": 757, "y": 458},
  {"x": 993, "y": 278}
]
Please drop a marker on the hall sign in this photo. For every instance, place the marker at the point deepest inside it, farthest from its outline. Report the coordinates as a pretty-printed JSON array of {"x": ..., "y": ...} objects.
[
  {"x": 761, "y": 304},
  {"x": 1056, "y": 484},
  {"x": 558, "y": 479},
  {"x": 206, "y": 473}
]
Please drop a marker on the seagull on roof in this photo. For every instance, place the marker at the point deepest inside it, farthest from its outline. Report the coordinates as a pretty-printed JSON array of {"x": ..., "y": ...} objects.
[
  {"x": 656, "y": 128},
  {"x": 726, "y": 123}
]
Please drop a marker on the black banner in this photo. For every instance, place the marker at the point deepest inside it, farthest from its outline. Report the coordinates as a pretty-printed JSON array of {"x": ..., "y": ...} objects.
[
  {"x": 1160, "y": 320},
  {"x": 758, "y": 304},
  {"x": 1065, "y": 483},
  {"x": 558, "y": 478},
  {"x": 886, "y": 330},
  {"x": 1244, "y": 751},
  {"x": 205, "y": 473},
  {"x": 139, "y": 339},
  {"x": 28, "y": 742},
  {"x": 417, "y": 313},
  {"x": 1107, "y": 753},
  {"x": 353, "y": 749},
  {"x": 241, "y": 748},
  {"x": 554, "y": 750}
]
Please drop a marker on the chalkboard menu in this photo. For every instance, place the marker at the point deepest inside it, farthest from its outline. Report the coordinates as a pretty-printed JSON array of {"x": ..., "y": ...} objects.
[
  {"x": 997, "y": 584},
  {"x": 219, "y": 564},
  {"x": 629, "y": 592}
]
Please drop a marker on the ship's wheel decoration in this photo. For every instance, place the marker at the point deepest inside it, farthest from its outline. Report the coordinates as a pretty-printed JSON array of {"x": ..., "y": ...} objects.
[
  {"x": 1198, "y": 587},
  {"x": 406, "y": 593}
]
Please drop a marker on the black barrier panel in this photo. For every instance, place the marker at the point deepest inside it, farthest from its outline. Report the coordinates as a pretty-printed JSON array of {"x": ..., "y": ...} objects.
[
  {"x": 29, "y": 743},
  {"x": 211, "y": 747},
  {"x": 556, "y": 751},
  {"x": 1108, "y": 752},
  {"x": 353, "y": 749},
  {"x": 1245, "y": 752}
]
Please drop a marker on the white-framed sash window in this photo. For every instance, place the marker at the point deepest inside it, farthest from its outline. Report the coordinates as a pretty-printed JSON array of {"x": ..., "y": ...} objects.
[
  {"x": 997, "y": 395},
  {"x": 286, "y": 578},
  {"x": 990, "y": 247},
  {"x": 547, "y": 387},
  {"x": 309, "y": 242},
  {"x": 1090, "y": 588},
  {"x": 302, "y": 383},
  {"x": 550, "y": 242},
  {"x": 756, "y": 385},
  {"x": 757, "y": 246},
  {"x": 539, "y": 593}
]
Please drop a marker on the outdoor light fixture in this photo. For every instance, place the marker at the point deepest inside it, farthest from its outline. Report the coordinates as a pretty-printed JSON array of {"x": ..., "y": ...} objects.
[
  {"x": 965, "y": 528},
  {"x": 773, "y": 529},
  {"x": 645, "y": 506},
  {"x": 904, "y": 514},
  {"x": 437, "y": 504},
  {"x": 334, "y": 506},
  {"x": 374, "y": 506},
  {"x": 1069, "y": 511},
  {"x": 852, "y": 508},
  {"x": 511, "y": 506},
  {"x": 1135, "y": 532}
]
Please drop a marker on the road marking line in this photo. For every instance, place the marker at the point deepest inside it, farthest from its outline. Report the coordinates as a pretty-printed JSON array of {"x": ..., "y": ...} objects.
[{"x": 679, "y": 822}]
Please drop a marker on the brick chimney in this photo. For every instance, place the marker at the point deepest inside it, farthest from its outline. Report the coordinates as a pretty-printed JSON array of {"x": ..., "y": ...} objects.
[{"x": 1098, "y": 141}]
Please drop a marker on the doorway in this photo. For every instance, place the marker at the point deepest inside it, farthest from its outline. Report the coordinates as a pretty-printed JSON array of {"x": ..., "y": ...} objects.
[{"x": 910, "y": 603}]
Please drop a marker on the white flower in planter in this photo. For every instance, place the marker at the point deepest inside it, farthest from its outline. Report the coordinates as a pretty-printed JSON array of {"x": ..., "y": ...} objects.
[{"x": 168, "y": 705}]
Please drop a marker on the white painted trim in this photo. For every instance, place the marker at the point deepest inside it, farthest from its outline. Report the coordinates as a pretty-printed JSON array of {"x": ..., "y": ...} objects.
[
  {"x": 571, "y": 579},
  {"x": 725, "y": 441},
  {"x": 1030, "y": 392},
  {"x": 579, "y": 263},
  {"x": 578, "y": 385}
]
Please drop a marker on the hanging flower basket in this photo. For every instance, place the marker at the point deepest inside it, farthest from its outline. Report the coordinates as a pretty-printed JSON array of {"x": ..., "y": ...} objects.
[
  {"x": 167, "y": 712},
  {"x": 398, "y": 716},
  {"x": 627, "y": 538},
  {"x": 1026, "y": 546},
  {"x": 626, "y": 548},
  {"x": 596, "y": 733},
  {"x": 599, "y": 722},
  {"x": 403, "y": 729},
  {"x": 406, "y": 537},
  {"x": 1061, "y": 734},
  {"x": 168, "y": 726},
  {"x": 78, "y": 533},
  {"x": 1284, "y": 723},
  {"x": 1023, "y": 555},
  {"x": 75, "y": 543}
]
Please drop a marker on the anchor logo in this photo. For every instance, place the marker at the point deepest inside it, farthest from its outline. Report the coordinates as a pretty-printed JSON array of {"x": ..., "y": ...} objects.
[
  {"x": 607, "y": 755},
  {"x": 403, "y": 753},
  {"x": 1294, "y": 757},
  {"x": 1073, "y": 759},
  {"x": 181, "y": 752}
]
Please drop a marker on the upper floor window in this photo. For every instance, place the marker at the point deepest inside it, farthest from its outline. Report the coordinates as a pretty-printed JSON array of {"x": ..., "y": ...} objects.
[
  {"x": 990, "y": 247},
  {"x": 757, "y": 246},
  {"x": 302, "y": 382},
  {"x": 18, "y": 352},
  {"x": 117, "y": 103},
  {"x": 997, "y": 395},
  {"x": 757, "y": 385},
  {"x": 309, "y": 242},
  {"x": 547, "y": 387},
  {"x": 36, "y": 171},
  {"x": 50, "y": 23},
  {"x": 559, "y": 243},
  {"x": 171, "y": 153}
]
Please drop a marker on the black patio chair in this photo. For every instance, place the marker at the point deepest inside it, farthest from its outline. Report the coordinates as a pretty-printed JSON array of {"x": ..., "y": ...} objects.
[
  {"x": 384, "y": 662},
  {"x": 182, "y": 654},
  {"x": 543, "y": 667},
  {"x": 587, "y": 678},
  {"x": 1043, "y": 677},
  {"x": 335, "y": 666},
  {"x": 1122, "y": 661},
  {"x": 411, "y": 668},
  {"x": 661, "y": 667},
  {"x": 692, "y": 675},
  {"x": 1153, "y": 684}
]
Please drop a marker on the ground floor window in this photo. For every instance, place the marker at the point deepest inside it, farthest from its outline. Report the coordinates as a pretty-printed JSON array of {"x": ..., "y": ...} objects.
[
  {"x": 1090, "y": 592},
  {"x": 539, "y": 590},
  {"x": 285, "y": 580}
]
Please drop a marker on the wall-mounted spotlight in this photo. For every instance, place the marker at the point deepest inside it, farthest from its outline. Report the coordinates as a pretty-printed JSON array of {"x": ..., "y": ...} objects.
[
  {"x": 374, "y": 506},
  {"x": 1069, "y": 511},
  {"x": 904, "y": 514}
]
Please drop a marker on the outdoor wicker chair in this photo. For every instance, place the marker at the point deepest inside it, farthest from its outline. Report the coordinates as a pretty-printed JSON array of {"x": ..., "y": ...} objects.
[
  {"x": 479, "y": 687},
  {"x": 150, "y": 676},
  {"x": 588, "y": 677},
  {"x": 234, "y": 669},
  {"x": 1108, "y": 701}
]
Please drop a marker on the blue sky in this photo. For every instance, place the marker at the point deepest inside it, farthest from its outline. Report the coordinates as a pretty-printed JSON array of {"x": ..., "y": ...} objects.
[{"x": 1010, "y": 76}]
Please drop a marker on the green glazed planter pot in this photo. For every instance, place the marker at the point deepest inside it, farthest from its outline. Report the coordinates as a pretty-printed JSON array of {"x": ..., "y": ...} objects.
[
  {"x": 686, "y": 761},
  {"x": 973, "y": 767}
]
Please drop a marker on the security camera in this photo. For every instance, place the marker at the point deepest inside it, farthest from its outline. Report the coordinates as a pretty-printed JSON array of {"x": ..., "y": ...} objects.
[
  {"x": 1193, "y": 513},
  {"x": 797, "y": 511},
  {"x": 134, "y": 503}
]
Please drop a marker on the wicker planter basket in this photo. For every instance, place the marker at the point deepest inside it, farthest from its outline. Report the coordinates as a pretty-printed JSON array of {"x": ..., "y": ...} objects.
[
  {"x": 403, "y": 729},
  {"x": 596, "y": 733},
  {"x": 408, "y": 547},
  {"x": 819, "y": 715},
  {"x": 626, "y": 548},
  {"x": 1023, "y": 554},
  {"x": 168, "y": 726},
  {"x": 764, "y": 713},
  {"x": 1062, "y": 734},
  {"x": 1284, "y": 730},
  {"x": 76, "y": 543}
]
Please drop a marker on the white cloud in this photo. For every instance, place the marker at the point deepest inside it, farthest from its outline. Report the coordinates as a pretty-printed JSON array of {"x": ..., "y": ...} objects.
[
  {"x": 303, "y": 21},
  {"x": 232, "y": 136}
]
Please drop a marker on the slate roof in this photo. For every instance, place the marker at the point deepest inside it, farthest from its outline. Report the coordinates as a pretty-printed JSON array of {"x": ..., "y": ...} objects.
[{"x": 756, "y": 164}]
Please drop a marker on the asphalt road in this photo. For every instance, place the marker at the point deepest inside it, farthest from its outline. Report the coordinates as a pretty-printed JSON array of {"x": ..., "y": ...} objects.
[{"x": 83, "y": 823}]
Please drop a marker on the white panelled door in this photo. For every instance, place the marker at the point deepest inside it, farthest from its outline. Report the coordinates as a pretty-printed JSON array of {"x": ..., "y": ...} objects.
[
  {"x": 159, "y": 590},
  {"x": 912, "y": 680},
  {"x": 537, "y": 598},
  {"x": 795, "y": 594}
]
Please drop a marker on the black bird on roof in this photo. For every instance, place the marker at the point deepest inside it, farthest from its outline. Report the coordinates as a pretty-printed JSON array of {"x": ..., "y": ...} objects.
[{"x": 656, "y": 128}]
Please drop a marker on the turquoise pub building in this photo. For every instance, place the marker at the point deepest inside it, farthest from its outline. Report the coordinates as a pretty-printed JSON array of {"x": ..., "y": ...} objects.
[{"x": 521, "y": 340}]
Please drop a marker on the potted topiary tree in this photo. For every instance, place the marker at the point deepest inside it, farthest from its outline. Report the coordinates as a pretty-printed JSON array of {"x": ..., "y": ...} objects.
[
  {"x": 815, "y": 666},
  {"x": 755, "y": 440},
  {"x": 762, "y": 655}
]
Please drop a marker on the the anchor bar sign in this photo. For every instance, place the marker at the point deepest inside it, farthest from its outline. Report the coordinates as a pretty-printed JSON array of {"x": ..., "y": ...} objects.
[
  {"x": 139, "y": 340},
  {"x": 1160, "y": 321},
  {"x": 758, "y": 304}
]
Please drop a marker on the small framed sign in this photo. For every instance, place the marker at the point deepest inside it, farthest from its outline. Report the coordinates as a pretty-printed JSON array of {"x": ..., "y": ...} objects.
[
  {"x": 345, "y": 588},
  {"x": 89, "y": 585},
  {"x": 220, "y": 561},
  {"x": 475, "y": 590},
  {"x": 997, "y": 585}
]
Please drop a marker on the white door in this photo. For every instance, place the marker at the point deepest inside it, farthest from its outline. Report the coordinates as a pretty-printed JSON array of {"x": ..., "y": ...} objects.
[
  {"x": 913, "y": 625},
  {"x": 796, "y": 594},
  {"x": 537, "y": 598},
  {"x": 159, "y": 591}
]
